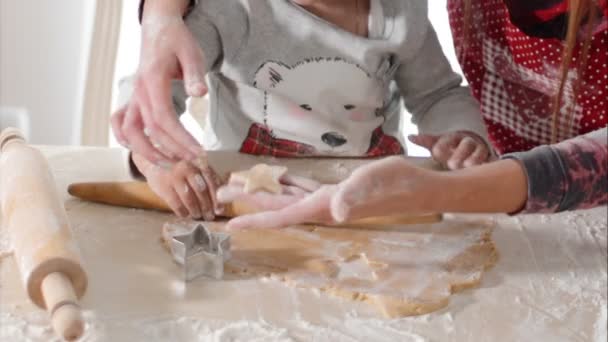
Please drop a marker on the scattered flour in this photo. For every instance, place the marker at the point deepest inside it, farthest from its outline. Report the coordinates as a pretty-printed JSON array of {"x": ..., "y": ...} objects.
[
  {"x": 34, "y": 327},
  {"x": 601, "y": 333},
  {"x": 5, "y": 245},
  {"x": 549, "y": 285}
]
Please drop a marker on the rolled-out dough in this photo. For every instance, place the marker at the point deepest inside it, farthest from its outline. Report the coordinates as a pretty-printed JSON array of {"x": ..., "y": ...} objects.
[
  {"x": 261, "y": 177},
  {"x": 402, "y": 271}
]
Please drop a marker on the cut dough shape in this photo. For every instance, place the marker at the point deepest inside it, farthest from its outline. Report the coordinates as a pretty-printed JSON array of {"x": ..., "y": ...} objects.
[
  {"x": 401, "y": 271},
  {"x": 260, "y": 177}
]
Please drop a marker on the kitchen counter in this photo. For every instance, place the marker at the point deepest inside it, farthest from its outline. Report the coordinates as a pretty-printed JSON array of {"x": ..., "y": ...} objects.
[{"x": 549, "y": 284}]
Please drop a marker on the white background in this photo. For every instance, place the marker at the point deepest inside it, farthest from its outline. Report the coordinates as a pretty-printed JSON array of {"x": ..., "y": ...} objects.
[{"x": 43, "y": 53}]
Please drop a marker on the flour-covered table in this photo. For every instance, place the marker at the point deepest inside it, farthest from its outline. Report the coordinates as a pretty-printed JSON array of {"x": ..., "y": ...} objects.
[{"x": 549, "y": 284}]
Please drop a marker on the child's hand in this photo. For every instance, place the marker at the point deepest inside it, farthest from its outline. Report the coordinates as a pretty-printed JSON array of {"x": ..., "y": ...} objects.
[
  {"x": 184, "y": 187},
  {"x": 455, "y": 150},
  {"x": 148, "y": 124}
]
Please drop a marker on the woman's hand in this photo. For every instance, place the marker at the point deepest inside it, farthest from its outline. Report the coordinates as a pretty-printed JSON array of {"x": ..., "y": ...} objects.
[
  {"x": 148, "y": 124},
  {"x": 283, "y": 210},
  {"x": 386, "y": 187},
  {"x": 184, "y": 187},
  {"x": 393, "y": 186},
  {"x": 455, "y": 150},
  {"x": 296, "y": 192}
]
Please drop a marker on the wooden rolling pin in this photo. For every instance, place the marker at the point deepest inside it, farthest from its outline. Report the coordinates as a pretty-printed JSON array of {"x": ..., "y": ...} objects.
[
  {"x": 139, "y": 195},
  {"x": 45, "y": 251}
]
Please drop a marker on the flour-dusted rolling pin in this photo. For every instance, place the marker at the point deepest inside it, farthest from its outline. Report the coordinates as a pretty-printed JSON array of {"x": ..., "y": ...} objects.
[
  {"x": 45, "y": 251},
  {"x": 139, "y": 195}
]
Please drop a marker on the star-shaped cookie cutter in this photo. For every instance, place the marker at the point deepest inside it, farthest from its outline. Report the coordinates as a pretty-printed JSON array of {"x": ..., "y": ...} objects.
[{"x": 201, "y": 252}]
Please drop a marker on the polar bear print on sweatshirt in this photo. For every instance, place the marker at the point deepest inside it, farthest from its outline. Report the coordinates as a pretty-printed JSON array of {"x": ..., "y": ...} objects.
[{"x": 323, "y": 106}]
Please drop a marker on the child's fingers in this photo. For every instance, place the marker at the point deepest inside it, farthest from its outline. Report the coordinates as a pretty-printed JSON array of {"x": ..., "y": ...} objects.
[
  {"x": 180, "y": 179},
  {"x": 213, "y": 183},
  {"x": 425, "y": 140},
  {"x": 200, "y": 186},
  {"x": 465, "y": 149},
  {"x": 197, "y": 183},
  {"x": 188, "y": 198},
  {"x": 173, "y": 201},
  {"x": 444, "y": 148},
  {"x": 479, "y": 156}
]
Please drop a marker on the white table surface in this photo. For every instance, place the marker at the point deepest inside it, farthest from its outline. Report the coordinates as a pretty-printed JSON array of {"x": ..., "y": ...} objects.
[{"x": 548, "y": 285}]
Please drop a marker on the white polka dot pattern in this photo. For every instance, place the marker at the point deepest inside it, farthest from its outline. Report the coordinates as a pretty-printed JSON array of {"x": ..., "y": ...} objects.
[{"x": 515, "y": 77}]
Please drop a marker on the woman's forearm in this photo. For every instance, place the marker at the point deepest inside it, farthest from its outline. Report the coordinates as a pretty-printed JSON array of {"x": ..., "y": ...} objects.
[
  {"x": 570, "y": 175},
  {"x": 497, "y": 187}
]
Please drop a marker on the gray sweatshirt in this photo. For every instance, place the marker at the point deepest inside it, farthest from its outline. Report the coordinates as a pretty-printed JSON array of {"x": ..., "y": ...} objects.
[{"x": 285, "y": 82}]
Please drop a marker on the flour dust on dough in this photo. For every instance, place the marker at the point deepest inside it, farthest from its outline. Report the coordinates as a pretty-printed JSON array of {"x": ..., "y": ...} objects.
[{"x": 402, "y": 271}]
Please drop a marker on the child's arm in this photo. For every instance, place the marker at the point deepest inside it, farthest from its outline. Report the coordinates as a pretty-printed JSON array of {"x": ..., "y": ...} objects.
[
  {"x": 438, "y": 103},
  {"x": 433, "y": 93}
]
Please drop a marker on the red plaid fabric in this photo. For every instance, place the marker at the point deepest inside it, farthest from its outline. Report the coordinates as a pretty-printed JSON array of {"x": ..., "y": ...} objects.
[
  {"x": 260, "y": 141},
  {"x": 515, "y": 78},
  {"x": 384, "y": 145}
]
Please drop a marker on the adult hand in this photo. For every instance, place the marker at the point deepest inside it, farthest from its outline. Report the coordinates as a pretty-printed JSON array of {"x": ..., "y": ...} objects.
[
  {"x": 148, "y": 124},
  {"x": 283, "y": 210},
  {"x": 383, "y": 188},
  {"x": 455, "y": 150},
  {"x": 293, "y": 189}
]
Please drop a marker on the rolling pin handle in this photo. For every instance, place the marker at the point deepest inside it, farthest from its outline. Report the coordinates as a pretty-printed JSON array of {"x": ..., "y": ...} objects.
[{"x": 62, "y": 304}]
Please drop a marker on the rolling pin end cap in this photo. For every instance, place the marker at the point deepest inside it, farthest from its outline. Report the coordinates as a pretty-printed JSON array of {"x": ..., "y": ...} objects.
[{"x": 68, "y": 322}]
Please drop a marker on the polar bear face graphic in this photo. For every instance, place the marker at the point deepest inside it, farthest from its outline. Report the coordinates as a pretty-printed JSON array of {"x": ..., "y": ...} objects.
[{"x": 327, "y": 103}]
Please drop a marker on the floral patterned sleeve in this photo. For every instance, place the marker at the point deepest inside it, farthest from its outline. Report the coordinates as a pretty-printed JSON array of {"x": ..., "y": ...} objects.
[{"x": 567, "y": 176}]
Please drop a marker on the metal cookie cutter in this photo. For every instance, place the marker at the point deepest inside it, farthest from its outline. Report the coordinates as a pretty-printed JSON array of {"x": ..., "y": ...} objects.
[{"x": 201, "y": 252}]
